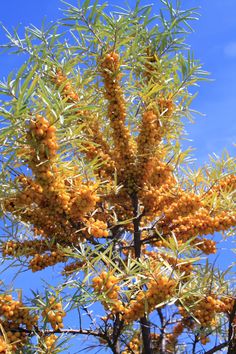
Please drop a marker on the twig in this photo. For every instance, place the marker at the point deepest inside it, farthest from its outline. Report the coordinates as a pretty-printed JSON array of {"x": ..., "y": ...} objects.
[{"x": 216, "y": 348}]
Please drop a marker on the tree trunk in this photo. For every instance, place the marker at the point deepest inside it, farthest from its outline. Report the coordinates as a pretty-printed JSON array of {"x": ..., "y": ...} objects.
[
  {"x": 145, "y": 325},
  {"x": 232, "y": 332}
]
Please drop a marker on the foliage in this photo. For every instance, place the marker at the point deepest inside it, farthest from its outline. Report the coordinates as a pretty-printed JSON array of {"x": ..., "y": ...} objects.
[{"x": 94, "y": 177}]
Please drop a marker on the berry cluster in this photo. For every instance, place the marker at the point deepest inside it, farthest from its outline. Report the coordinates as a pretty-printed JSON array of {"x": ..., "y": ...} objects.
[
  {"x": 224, "y": 184},
  {"x": 184, "y": 204},
  {"x": 172, "y": 338},
  {"x": 123, "y": 142},
  {"x": 205, "y": 245},
  {"x": 106, "y": 284},
  {"x": 27, "y": 247},
  {"x": 42, "y": 139},
  {"x": 54, "y": 314},
  {"x": 50, "y": 342},
  {"x": 159, "y": 289},
  {"x": 97, "y": 228},
  {"x": 15, "y": 318},
  {"x": 201, "y": 223},
  {"x": 147, "y": 142},
  {"x": 228, "y": 303},
  {"x": 67, "y": 89},
  {"x": 83, "y": 201},
  {"x": 205, "y": 310},
  {"x": 134, "y": 346},
  {"x": 39, "y": 261},
  {"x": 155, "y": 199}
]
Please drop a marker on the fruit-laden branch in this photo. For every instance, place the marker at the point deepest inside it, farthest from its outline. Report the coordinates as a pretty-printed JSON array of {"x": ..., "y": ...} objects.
[
  {"x": 124, "y": 146},
  {"x": 95, "y": 145}
]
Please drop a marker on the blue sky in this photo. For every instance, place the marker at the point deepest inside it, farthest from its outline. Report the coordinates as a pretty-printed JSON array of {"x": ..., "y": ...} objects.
[{"x": 213, "y": 42}]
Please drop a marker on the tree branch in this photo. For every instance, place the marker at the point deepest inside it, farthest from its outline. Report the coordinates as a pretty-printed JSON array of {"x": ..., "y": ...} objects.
[
  {"x": 216, "y": 348},
  {"x": 196, "y": 340},
  {"x": 88, "y": 332}
]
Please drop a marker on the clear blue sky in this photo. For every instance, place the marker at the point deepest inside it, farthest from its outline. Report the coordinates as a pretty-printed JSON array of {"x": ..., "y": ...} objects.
[{"x": 213, "y": 42}]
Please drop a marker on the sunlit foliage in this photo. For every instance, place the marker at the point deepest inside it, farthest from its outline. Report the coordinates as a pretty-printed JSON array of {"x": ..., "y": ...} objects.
[{"x": 94, "y": 177}]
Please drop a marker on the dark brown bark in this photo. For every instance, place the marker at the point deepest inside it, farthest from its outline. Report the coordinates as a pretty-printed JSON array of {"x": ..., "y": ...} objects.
[
  {"x": 145, "y": 328},
  {"x": 145, "y": 325},
  {"x": 162, "y": 335},
  {"x": 232, "y": 331},
  {"x": 118, "y": 326}
]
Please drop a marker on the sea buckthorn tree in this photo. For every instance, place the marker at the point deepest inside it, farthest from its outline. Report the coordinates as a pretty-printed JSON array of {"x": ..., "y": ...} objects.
[{"x": 95, "y": 182}]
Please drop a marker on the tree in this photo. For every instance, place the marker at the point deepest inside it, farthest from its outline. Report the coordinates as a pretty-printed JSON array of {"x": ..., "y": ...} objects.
[{"x": 94, "y": 177}]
